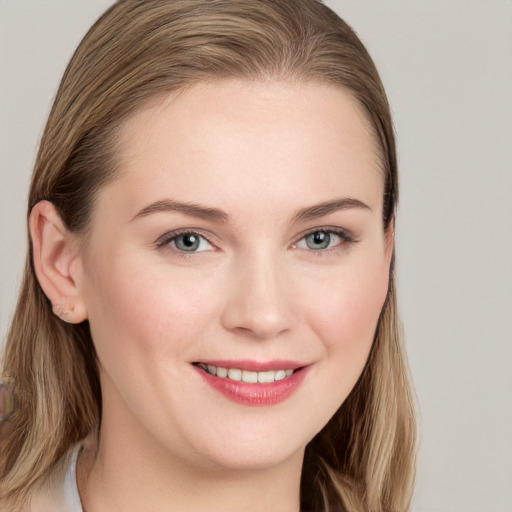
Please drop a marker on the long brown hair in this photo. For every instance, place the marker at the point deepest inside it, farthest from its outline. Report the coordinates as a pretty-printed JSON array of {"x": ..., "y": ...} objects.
[{"x": 363, "y": 460}]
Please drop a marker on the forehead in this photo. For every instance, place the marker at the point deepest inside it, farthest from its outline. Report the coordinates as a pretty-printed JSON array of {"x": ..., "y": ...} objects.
[{"x": 283, "y": 141}]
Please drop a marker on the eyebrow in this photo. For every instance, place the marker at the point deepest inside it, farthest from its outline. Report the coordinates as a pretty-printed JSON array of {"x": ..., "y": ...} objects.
[
  {"x": 215, "y": 214},
  {"x": 322, "y": 209},
  {"x": 187, "y": 208}
]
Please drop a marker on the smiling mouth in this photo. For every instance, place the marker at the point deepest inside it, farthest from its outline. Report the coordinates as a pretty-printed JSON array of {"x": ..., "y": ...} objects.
[{"x": 249, "y": 377}]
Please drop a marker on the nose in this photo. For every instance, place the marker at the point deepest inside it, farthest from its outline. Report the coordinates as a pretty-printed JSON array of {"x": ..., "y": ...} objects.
[{"x": 259, "y": 302}]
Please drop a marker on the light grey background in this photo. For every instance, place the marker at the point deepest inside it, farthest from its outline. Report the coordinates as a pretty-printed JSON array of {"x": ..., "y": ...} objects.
[{"x": 447, "y": 67}]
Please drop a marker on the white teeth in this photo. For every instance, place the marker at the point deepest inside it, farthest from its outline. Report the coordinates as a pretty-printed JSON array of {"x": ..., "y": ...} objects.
[
  {"x": 235, "y": 374},
  {"x": 246, "y": 375},
  {"x": 250, "y": 377},
  {"x": 266, "y": 376},
  {"x": 221, "y": 372},
  {"x": 280, "y": 375}
]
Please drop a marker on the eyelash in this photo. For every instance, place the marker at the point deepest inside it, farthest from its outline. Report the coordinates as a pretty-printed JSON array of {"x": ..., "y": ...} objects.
[
  {"x": 345, "y": 236},
  {"x": 165, "y": 240}
]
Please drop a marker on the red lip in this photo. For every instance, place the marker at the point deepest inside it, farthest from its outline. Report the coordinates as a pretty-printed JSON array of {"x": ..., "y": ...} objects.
[{"x": 254, "y": 394}]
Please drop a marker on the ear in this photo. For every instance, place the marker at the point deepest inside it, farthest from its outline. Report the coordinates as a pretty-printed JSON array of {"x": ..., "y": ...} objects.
[{"x": 57, "y": 262}]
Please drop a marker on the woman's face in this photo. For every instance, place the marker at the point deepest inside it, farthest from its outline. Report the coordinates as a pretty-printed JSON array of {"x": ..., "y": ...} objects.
[{"x": 244, "y": 237}]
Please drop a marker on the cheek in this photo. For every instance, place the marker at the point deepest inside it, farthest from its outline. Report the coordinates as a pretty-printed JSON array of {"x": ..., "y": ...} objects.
[
  {"x": 343, "y": 316},
  {"x": 145, "y": 313},
  {"x": 346, "y": 315}
]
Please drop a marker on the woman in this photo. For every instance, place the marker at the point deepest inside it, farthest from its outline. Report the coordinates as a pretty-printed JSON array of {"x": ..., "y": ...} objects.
[{"x": 208, "y": 319}]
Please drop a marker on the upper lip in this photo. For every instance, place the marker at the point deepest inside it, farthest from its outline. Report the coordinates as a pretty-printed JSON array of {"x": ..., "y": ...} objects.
[{"x": 254, "y": 365}]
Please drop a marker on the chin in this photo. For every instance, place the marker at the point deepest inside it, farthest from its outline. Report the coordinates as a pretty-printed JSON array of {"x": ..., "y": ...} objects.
[
  {"x": 246, "y": 458},
  {"x": 252, "y": 445}
]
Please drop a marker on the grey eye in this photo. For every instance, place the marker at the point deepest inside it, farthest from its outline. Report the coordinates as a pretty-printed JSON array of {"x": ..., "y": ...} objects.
[
  {"x": 190, "y": 242},
  {"x": 318, "y": 240},
  {"x": 323, "y": 240}
]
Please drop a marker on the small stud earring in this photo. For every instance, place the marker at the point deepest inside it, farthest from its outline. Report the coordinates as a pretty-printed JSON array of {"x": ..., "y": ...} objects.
[{"x": 63, "y": 312}]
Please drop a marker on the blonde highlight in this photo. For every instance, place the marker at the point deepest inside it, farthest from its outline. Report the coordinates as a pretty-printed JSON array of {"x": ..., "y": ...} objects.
[{"x": 364, "y": 458}]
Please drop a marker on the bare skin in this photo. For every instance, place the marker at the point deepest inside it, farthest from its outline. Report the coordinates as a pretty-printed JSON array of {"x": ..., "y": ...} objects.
[{"x": 283, "y": 256}]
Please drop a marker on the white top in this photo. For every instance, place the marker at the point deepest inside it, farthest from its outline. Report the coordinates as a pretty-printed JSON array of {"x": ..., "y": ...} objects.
[
  {"x": 59, "y": 493},
  {"x": 69, "y": 486}
]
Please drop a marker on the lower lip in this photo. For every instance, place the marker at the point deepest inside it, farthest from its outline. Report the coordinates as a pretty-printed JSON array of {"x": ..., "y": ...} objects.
[{"x": 255, "y": 394}]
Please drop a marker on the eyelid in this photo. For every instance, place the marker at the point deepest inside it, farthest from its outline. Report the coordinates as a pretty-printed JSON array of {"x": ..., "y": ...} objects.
[
  {"x": 164, "y": 240},
  {"x": 346, "y": 236}
]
